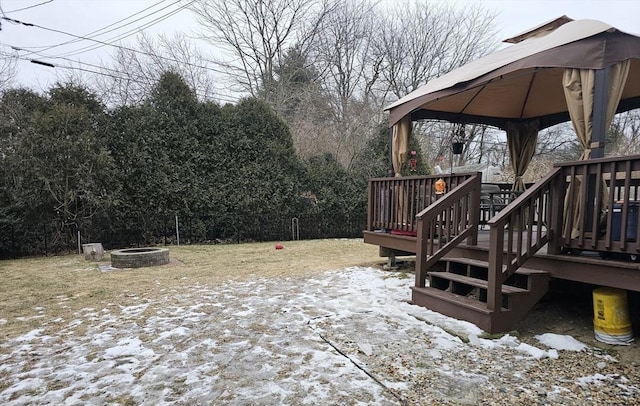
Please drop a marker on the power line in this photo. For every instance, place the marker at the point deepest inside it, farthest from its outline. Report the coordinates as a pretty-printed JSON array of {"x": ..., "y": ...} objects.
[
  {"x": 25, "y": 57},
  {"x": 114, "y": 45},
  {"x": 116, "y": 75},
  {"x": 130, "y": 32},
  {"x": 27, "y": 8},
  {"x": 48, "y": 47},
  {"x": 91, "y": 36}
]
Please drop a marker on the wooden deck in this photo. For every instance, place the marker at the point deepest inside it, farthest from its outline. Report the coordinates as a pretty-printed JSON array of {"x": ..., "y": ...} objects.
[
  {"x": 585, "y": 266},
  {"x": 579, "y": 223}
]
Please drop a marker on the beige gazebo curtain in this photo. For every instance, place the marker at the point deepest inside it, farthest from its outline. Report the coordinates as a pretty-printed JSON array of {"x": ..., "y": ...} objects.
[
  {"x": 578, "y": 90},
  {"x": 579, "y": 93},
  {"x": 400, "y": 144},
  {"x": 399, "y": 149},
  {"x": 522, "y": 139}
]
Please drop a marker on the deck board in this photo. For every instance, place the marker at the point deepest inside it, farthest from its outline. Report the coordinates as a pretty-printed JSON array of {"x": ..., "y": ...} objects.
[{"x": 480, "y": 283}]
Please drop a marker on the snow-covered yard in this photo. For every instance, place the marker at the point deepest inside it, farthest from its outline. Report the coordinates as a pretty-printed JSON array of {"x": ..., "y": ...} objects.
[{"x": 340, "y": 337}]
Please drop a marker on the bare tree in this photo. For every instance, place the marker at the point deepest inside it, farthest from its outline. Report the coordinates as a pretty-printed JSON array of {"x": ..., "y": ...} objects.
[
  {"x": 253, "y": 35},
  {"x": 344, "y": 54},
  {"x": 8, "y": 70},
  {"x": 624, "y": 134},
  {"x": 360, "y": 52},
  {"x": 134, "y": 72},
  {"x": 349, "y": 70},
  {"x": 420, "y": 41},
  {"x": 423, "y": 40},
  {"x": 481, "y": 144},
  {"x": 555, "y": 144}
]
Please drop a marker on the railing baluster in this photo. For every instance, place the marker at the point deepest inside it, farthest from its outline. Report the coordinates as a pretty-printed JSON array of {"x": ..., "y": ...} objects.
[
  {"x": 456, "y": 217},
  {"x": 627, "y": 180},
  {"x": 636, "y": 243},
  {"x": 614, "y": 194},
  {"x": 445, "y": 220},
  {"x": 597, "y": 207},
  {"x": 430, "y": 236},
  {"x": 625, "y": 207},
  {"x": 521, "y": 229},
  {"x": 509, "y": 235},
  {"x": 570, "y": 194},
  {"x": 420, "y": 201},
  {"x": 465, "y": 209},
  {"x": 582, "y": 219},
  {"x": 541, "y": 208},
  {"x": 531, "y": 213}
]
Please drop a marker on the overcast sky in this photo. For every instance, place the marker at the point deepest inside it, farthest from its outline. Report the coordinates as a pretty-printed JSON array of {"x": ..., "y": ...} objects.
[{"x": 82, "y": 17}]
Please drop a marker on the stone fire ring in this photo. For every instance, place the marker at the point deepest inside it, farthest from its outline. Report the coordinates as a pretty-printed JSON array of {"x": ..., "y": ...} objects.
[{"x": 139, "y": 257}]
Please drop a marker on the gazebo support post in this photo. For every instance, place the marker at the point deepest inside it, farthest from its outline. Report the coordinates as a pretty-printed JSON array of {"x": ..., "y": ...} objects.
[
  {"x": 390, "y": 171},
  {"x": 600, "y": 100}
]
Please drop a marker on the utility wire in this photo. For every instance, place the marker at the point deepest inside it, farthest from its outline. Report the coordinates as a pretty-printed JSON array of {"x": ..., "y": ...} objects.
[
  {"x": 24, "y": 57},
  {"x": 114, "y": 45},
  {"x": 39, "y": 62},
  {"x": 118, "y": 75},
  {"x": 130, "y": 32},
  {"x": 92, "y": 35},
  {"x": 27, "y": 8},
  {"x": 99, "y": 31}
]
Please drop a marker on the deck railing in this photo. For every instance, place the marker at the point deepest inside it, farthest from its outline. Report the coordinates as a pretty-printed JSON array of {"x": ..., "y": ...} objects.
[
  {"x": 601, "y": 205},
  {"x": 445, "y": 224},
  {"x": 393, "y": 203},
  {"x": 520, "y": 230},
  {"x": 583, "y": 205}
]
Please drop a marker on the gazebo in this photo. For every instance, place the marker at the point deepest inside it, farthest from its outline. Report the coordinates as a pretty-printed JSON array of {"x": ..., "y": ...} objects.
[{"x": 584, "y": 71}]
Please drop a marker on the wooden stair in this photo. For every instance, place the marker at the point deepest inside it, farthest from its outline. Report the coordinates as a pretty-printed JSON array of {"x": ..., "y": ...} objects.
[{"x": 460, "y": 291}]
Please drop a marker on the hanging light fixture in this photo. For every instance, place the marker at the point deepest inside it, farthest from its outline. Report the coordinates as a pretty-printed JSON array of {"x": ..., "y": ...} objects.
[{"x": 457, "y": 146}]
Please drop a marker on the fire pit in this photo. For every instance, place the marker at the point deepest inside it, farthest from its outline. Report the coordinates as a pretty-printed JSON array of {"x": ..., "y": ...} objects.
[{"x": 139, "y": 257}]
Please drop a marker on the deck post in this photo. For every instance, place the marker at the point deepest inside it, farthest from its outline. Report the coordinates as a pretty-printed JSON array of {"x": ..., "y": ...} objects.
[
  {"x": 556, "y": 200},
  {"x": 494, "y": 280},
  {"x": 600, "y": 100},
  {"x": 474, "y": 210},
  {"x": 421, "y": 254},
  {"x": 370, "y": 203}
]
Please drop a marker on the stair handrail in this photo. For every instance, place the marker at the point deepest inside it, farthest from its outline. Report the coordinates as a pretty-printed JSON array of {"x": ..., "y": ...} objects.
[
  {"x": 451, "y": 219},
  {"x": 539, "y": 208}
]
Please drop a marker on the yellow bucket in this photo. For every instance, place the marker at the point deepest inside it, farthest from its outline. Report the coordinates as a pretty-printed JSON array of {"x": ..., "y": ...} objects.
[{"x": 611, "y": 321}]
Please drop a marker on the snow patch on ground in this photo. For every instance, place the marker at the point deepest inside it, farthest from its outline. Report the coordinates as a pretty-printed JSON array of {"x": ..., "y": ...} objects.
[
  {"x": 346, "y": 336},
  {"x": 561, "y": 342}
]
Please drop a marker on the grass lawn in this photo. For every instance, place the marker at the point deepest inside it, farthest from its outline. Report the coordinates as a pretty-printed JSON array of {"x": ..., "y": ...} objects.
[
  {"x": 50, "y": 288},
  {"x": 238, "y": 324}
]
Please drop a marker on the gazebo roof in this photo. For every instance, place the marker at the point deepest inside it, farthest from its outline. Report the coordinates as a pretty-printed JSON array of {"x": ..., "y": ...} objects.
[{"x": 523, "y": 82}]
